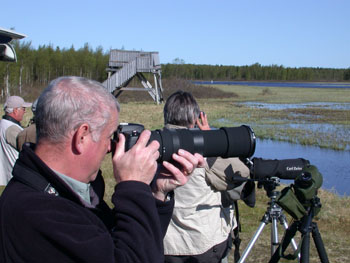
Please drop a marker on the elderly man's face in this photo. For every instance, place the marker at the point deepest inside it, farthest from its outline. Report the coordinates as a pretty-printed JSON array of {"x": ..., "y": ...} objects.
[
  {"x": 18, "y": 113},
  {"x": 98, "y": 150}
]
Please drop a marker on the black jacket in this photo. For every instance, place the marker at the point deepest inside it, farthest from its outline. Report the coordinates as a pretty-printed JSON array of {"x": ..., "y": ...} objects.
[{"x": 36, "y": 226}]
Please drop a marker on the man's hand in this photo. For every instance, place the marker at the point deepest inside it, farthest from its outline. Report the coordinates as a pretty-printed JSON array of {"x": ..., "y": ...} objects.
[
  {"x": 202, "y": 122},
  {"x": 137, "y": 164},
  {"x": 171, "y": 176}
]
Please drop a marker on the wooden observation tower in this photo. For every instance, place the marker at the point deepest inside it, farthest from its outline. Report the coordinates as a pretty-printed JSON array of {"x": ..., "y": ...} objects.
[{"x": 125, "y": 65}]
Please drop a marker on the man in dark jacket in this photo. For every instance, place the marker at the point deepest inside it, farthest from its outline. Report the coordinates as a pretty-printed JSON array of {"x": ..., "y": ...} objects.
[{"x": 53, "y": 209}]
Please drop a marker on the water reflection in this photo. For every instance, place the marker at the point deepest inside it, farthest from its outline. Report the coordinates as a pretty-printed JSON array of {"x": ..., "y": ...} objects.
[
  {"x": 336, "y": 129},
  {"x": 332, "y": 164},
  {"x": 324, "y": 134},
  {"x": 272, "y": 106},
  {"x": 343, "y": 85}
]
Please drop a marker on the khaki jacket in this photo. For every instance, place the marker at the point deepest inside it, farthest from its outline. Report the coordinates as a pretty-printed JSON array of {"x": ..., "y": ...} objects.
[{"x": 199, "y": 220}]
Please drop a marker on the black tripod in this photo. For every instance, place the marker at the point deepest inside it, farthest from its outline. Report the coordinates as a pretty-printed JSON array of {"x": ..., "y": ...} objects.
[
  {"x": 305, "y": 226},
  {"x": 272, "y": 215}
]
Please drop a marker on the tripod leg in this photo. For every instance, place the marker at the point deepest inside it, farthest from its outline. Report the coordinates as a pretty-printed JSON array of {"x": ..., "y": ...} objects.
[
  {"x": 319, "y": 243},
  {"x": 254, "y": 238},
  {"x": 289, "y": 234},
  {"x": 305, "y": 248},
  {"x": 283, "y": 221},
  {"x": 274, "y": 236}
]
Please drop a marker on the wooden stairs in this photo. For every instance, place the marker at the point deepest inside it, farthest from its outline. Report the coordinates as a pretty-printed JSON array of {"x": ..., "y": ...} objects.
[{"x": 125, "y": 65}]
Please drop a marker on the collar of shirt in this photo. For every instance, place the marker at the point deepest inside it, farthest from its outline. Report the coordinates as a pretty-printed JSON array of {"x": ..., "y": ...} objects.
[
  {"x": 9, "y": 118},
  {"x": 81, "y": 189},
  {"x": 173, "y": 126}
]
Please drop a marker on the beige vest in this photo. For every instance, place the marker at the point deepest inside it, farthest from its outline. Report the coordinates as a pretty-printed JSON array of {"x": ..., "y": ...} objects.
[{"x": 199, "y": 221}]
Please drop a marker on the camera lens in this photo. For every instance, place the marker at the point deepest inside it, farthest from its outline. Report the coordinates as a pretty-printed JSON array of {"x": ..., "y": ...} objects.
[{"x": 225, "y": 142}]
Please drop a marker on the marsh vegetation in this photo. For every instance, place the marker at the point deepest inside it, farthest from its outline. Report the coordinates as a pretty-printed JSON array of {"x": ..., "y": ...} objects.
[
  {"x": 226, "y": 105},
  {"x": 314, "y": 123}
]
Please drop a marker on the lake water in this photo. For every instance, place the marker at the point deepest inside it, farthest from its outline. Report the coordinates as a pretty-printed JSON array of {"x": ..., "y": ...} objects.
[
  {"x": 333, "y": 165},
  {"x": 342, "y": 85},
  {"x": 331, "y": 133},
  {"x": 282, "y": 106}
]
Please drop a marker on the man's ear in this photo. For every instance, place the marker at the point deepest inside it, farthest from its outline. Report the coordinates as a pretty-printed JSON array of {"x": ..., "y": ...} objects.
[
  {"x": 80, "y": 138},
  {"x": 15, "y": 111}
]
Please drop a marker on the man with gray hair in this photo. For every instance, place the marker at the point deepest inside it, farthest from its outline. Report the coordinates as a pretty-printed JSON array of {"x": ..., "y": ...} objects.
[
  {"x": 53, "y": 209},
  {"x": 10, "y": 127}
]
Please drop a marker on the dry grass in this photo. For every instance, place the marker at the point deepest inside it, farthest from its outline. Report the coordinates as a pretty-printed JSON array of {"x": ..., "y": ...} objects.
[
  {"x": 221, "y": 102},
  {"x": 286, "y": 95},
  {"x": 333, "y": 223},
  {"x": 172, "y": 85}
]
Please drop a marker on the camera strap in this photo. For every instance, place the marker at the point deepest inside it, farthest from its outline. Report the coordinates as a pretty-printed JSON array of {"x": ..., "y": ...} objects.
[
  {"x": 33, "y": 179},
  {"x": 236, "y": 239}
]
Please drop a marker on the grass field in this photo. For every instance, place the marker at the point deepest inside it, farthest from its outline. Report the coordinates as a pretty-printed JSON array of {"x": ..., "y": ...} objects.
[
  {"x": 223, "y": 105},
  {"x": 317, "y": 125}
]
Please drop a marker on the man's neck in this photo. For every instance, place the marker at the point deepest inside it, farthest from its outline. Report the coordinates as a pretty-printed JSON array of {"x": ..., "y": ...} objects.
[
  {"x": 51, "y": 155},
  {"x": 10, "y": 118}
]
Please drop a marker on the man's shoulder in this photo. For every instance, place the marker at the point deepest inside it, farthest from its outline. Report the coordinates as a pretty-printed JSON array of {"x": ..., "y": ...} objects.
[
  {"x": 30, "y": 128},
  {"x": 22, "y": 201},
  {"x": 5, "y": 124},
  {"x": 11, "y": 134},
  {"x": 22, "y": 195},
  {"x": 14, "y": 129}
]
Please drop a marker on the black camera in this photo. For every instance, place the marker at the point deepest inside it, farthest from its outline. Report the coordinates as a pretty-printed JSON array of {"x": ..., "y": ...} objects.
[
  {"x": 261, "y": 169},
  {"x": 224, "y": 142}
]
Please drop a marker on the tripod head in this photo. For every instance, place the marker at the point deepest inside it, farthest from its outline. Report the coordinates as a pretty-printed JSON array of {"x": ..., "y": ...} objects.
[{"x": 270, "y": 184}]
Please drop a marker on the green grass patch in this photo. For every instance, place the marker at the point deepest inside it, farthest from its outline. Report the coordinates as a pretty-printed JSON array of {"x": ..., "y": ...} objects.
[
  {"x": 223, "y": 106},
  {"x": 285, "y": 94},
  {"x": 332, "y": 221}
]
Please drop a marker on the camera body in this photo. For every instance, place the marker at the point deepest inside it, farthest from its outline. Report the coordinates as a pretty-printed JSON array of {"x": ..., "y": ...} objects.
[
  {"x": 224, "y": 142},
  {"x": 131, "y": 132}
]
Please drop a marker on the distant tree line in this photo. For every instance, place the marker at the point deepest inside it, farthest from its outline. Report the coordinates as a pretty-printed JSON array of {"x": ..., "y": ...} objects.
[
  {"x": 254, "y": 72},
  {"x": 36, "y": 67}
]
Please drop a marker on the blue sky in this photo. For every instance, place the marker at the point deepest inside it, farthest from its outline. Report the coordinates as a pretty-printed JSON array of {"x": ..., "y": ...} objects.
[{"x": 294, "y": 33}]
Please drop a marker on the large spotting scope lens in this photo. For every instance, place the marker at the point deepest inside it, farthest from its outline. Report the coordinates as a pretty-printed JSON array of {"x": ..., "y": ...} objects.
[{"x": 224, "y": 142}]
